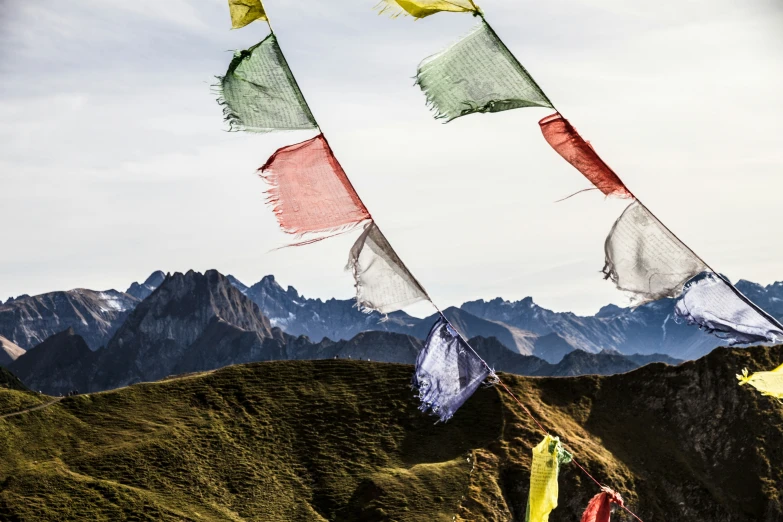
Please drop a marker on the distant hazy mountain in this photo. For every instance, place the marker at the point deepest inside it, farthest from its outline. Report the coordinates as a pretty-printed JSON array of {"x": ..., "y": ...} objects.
[
  {"x": 95, "y": 316},
  {"x": 9, "y": 351},
  {"x": 143, "y": 290},
  {"x": 340, "y": 320},
  {"x": 648, "y": 329},
  {"x": 334, "y": 318}
]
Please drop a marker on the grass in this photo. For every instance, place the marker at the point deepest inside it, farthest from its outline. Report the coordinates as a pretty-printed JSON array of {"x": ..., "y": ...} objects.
[
  {"x": 343, "y": 440},
  {"x": 14, "y": 400}
]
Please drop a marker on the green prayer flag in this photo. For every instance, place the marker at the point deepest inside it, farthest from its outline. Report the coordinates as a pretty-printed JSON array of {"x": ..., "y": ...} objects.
[
  {"x": 477, "y": 74},
  {"x": 259, "y": 93}
]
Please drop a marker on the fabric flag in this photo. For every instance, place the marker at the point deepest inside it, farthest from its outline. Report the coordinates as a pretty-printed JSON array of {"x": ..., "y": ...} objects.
[
  {"x": 448, "y": 372},
  {"x": 310, "y": 192},
  {"x": 712, "y": 303},
  {"x": 644, "y": 258},
  {"x": 245, "y": 11},
  {"x": 768, "y": 383},
  {"x": 547, "y": 458},
  {"x": 422, "y": 8},
  {"x": 259, "y": 93},
  {"x": 383, "y": 283},
  {"x": 477, "y": 74},
  {"x": 562, "y": 136},
  {"x": 600, "y": 507}
]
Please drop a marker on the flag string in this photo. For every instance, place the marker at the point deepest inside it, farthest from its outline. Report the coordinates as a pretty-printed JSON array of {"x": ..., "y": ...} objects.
[
  {"x": 527, "y": 410},
  {"x": 492, "y": 372},
  {"x": 720, "y": 276}
]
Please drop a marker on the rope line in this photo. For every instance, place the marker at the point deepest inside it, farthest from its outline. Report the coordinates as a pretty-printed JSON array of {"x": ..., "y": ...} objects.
[{"x": 525, "y": 408}]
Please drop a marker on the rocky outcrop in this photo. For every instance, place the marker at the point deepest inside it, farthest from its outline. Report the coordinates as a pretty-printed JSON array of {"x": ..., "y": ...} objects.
[
  {"x": 182, "y": 314},
  {"x": 143, "y": 290},
  {"x": 95, "y": 316},
  {"x": 9, "y": 352}
]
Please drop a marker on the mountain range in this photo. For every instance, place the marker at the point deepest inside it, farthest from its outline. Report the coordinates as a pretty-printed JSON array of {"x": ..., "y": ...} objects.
[
  {"x": 196, "y": 322},
  {"x": 171, "y": 324},
  {"x": 522, "y": 326}
]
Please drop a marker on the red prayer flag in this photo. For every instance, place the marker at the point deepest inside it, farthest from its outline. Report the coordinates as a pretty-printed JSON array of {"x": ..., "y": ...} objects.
[
  {"x": 600, "y": 507},
  {"x": 562, "y": 136},
  {"x": 310, "y": 192}
]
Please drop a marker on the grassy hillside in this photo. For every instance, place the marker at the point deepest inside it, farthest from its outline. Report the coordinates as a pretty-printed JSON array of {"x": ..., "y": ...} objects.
[
  {"x": 343, "y": 440},
  {"x": 14, "y": 396}
]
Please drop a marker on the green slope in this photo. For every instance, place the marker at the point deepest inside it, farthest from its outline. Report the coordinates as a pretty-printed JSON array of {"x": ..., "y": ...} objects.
[{"x": 343, "y": 440}]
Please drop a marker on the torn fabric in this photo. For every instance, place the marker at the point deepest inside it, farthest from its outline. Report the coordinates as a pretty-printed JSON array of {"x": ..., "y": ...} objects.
[
  {"x": 544, "y": 470},
  {"x": 383, "y": 283},
  {"x": 644, "y": 258},
  {"x": 600, "y": 507},
  {"x": 422, "y": 8},
  {"x": 712, "y": 303},
  {"x": 477, "y": 74},
  {"x": 310, "y": 192},
  {"x": 245, "y": 11},
  {"x": 259, "y": 93},
  {"x": 768, "y": 383},
  {"x": 447, "y": 372},
  {"x": 562, "y": 136}
]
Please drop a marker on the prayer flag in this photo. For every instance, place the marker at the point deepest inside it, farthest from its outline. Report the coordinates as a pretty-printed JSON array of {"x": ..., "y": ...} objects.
[
  {"x": 544, "y": 470},
  {"x": 477, "y": 74},
  {"x": 768, "y": 383},
  {"x": 259, "y": 93},
  {"x": 245, "y": 11},
  {"x": 448, "y": 372},
  {"x": 422, "y": 8},
  {"x": 643, "y": 257},
  {"x": 712, "y": 303},
  {"x": 579, "y": 153},
  {"x": 600, "y": 507},
  {"x": 383, "y": 283},
  {"x": 310, "y": 192}
]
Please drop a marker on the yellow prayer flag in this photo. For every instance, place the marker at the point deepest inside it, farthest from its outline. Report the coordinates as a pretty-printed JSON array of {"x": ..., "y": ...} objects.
[
  {"x": 245, "y": 11},
  {"x": 547, "y": 457},
  {"x": 422, "y": 8},
  {"x": 768, "y": 383}
]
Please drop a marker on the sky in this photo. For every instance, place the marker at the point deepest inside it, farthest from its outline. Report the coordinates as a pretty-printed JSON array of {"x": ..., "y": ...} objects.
[{"x": 115, "y": 161}]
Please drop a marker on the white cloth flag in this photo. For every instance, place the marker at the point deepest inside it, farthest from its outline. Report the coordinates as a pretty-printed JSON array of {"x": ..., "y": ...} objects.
[
  {"x": 713, "y": 304},
  {"x": 447, "y": 372},
  {"x": 382, "y": 281},
  {"x": 645, "y": 259}
]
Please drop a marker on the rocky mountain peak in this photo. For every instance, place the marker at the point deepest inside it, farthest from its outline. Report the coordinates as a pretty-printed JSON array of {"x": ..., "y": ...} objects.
[
  {"x": 185, "y": 303},
  {"x": 143, "y": 290},
  {"x": 155, "y": 279},
  {"x": 239, "y": 285},
  {"x": 187, "y": 323}
]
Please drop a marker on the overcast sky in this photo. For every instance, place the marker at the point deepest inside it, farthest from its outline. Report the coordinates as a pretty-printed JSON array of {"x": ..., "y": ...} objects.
[{"x": 114, "y": 160}]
